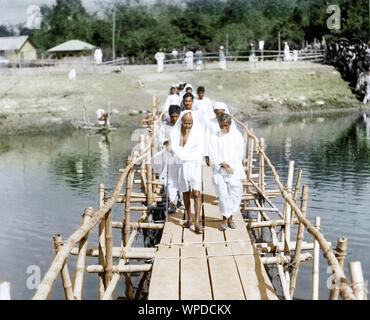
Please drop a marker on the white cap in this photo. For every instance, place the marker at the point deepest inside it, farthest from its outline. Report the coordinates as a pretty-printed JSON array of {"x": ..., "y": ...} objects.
[
  {"x": 221, "y": 47},
  {"x": 220, "y": 106}
]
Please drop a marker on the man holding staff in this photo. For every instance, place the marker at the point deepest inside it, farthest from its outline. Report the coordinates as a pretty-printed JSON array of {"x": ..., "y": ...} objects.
[
  {"x": 226, "y": 156},
  {"x": 187, "y": 143}
]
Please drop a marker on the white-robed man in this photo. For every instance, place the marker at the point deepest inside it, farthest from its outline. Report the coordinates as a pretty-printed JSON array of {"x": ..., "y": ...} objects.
[
  {"x": 159, "y": 56},
  {"x": 204, "y": 107},
  {"x": 189, "y": 56},
  {"x": 213, "y": 127},
  {"x": 172, "y": 99},
  {"x": 187, "y": 143},
  {"x": 163, "y": 162},
  {"x": 226, "y": 156}
]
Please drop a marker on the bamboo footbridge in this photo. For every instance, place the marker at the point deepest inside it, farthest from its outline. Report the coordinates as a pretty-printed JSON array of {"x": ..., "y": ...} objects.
[{"x": 216, "y": 264}]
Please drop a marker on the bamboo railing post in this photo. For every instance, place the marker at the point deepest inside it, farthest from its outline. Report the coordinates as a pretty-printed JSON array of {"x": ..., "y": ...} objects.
[
  {"x": 109, "y": 248},
  {"x": 245, "y": 157},
  {"x": 340, "y": 254},
  {"x": 261, "y": 165},
  {"x": 126, "y": 222},
  {"x": 316, "y": 265},
  {"x": 298, "y": 248},
  {"x": 283, "y": 280},
  {"x": 261, "y": 181},
  {"x": 142, "y": 168},
  {"x": 250, "y": 157},
  {"x": 287, "y": 208},
  {"x": 297, "y": 186},
  {"x": 149, "y": 187},
  {"x": 140, "y": 287},
  {"x": 79, "y": 275},
  {"x": 66, "y": 279},
  {"x": 102, "y": 248},
  {"x": 113, "y": 283},
  {"x": 357, "y": 280}
]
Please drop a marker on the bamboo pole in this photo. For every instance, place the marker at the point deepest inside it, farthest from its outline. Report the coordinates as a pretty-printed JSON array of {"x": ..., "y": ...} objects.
[
  {"x": 316, "y": 265},
  {"x": 113, "y": 283},
  {"x": 299, "y": 243},
  {"x": 109, "y": 248},
  {"x": 149, "y": 195},
  {"x": 264, "y": 224},
  {"x": 284, "y": 259},
  {"x": 139, "y": 225},
  {"x": 297, "y": 186},
  {"x": 126, "y": 221},
  {"x": 287, "y": 208},
  {"x": 261, "y": 165},
  {"x": 142, "y": 167},
  {"x": 357, "y": 280},
  {"x": 123, "y": 269},
  {"x": 268, "y": 247},
  {"x": 261, "y": 182},
  {"x": 345, "y": 290},
  {"x": 283, "y": 280},
  {"x": 265, "y": 197},
  {"x": 66, "y": 279},
  {"x": 116, "y": 253},
  {"x": 79, "y": 275},
  {"x": 340, "y": 254},
  {"x": 102, "y": 247},
  {"x": 245, "y": 157},
  {"x": 250, "y": 158},
  {"x": 140, "y": 287}
]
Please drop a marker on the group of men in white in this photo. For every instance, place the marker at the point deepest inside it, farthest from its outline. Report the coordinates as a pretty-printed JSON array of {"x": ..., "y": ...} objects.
[
  {"x": 189, "y": 59},
  {"x": 197, "y": 131}
]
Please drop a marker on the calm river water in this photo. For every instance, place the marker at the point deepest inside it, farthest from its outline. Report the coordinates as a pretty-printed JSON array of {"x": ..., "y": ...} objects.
[{"x": 47, "y": 180}]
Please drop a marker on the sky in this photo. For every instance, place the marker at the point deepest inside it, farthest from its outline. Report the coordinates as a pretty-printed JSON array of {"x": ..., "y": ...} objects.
[{"x": 15, "y": 11}]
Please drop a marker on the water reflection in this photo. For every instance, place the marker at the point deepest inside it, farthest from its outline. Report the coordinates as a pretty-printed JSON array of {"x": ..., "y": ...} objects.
[{"x": 77, "y": 170}]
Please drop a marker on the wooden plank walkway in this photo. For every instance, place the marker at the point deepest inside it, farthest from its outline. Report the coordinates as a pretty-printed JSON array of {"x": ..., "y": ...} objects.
[{"x": 214, "y": 265}]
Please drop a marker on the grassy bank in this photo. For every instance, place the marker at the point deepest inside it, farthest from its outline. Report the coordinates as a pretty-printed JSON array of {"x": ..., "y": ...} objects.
[{"x": 44, "y": 101}]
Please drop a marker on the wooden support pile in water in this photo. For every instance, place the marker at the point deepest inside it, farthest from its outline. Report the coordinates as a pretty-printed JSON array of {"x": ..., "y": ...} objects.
[{"x": 113, "y": 262}]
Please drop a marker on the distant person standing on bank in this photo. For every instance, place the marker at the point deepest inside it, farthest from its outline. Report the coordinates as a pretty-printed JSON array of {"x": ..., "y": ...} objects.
[
  {"x": 189, "y": 56},
  {"x": 174, "y": 54},
  {"x": 199, "y": 59},
  {"x": 222, "y": 58},
  {"x": 159, "y": 56},
  {"x": 252, "y": 57}
]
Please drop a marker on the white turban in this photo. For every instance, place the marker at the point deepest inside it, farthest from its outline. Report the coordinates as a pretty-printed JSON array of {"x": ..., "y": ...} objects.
[{"x": 221, "y": 106}]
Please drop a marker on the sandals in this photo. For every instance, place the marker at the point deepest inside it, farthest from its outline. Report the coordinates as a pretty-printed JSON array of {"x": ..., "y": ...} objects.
[
  {"x": 198, "y": 228},
  {"x": 232, "y": 225},
  {"x": 187, "y": 224}
]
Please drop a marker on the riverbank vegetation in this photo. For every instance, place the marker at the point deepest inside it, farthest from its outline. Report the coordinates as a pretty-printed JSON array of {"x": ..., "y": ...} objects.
[{"x": 141, "y": 29}]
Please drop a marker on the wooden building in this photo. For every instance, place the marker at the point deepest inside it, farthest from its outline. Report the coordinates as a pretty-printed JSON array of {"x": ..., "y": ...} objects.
[
  {"x": 17, "y": 48},
  {"x": 72, "y": 48}
]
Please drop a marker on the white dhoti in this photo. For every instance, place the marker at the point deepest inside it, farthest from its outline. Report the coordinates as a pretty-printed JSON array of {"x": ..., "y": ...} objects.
[
  {"x": 189, "y": 176},
  {"x": 188, "y": 158},
  {"x": 229, "y": 193},
  {"x": 222, "y": 64}
]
